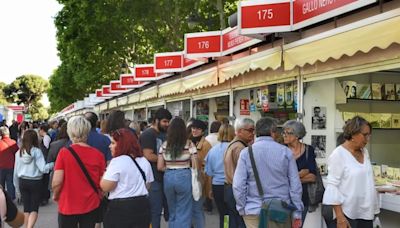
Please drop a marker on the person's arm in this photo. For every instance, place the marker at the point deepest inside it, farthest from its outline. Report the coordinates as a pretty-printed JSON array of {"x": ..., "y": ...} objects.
[
  {"x": 46, "y": 141},
  {"x": 309, "y": 178},
  {"x": 161, "y": 163},
  {"x": 295, "y": 188},
  {"x": 149, "y": 155},
  {"x": 341, "y": 221},
  {"x": 107, "y": 185},
  {"x": 56, "y": 184},
  {"x": 40, "y": 162},
  {"x": 15, "y": 178}
]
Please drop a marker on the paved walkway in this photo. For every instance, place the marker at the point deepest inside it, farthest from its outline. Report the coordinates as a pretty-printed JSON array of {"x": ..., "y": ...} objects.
[{"x": 48, "y": 217}]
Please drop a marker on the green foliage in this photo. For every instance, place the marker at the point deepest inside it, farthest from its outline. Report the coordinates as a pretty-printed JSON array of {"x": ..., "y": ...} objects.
[
  {"x": 38, "y": 112},
  {"x": 26, "y": 89},
  {"x": 3, "y": 100},
  {"x": 96, "y": 37}
]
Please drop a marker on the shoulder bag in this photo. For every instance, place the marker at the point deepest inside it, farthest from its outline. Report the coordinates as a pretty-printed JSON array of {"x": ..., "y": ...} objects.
[
  {"x": 272, "y": 209},
  {"x": 315, "y": 189},
  {"x": 196, "y": 181},
  {"x": 103, "y": 201}
]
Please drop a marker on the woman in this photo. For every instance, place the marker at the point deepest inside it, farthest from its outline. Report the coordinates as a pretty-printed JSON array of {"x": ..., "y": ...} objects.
[
  {"x": 175, "y": 157},
  {"x": 350, "y": 186},
  {"x": 198, "y": 128},
  {"x": 61, "y": 141},
  {"x": 293, "y": 132},
  {"x": 215, "y": 168},
  {"x": 128, "y": 203},
  {"x": 77, "y": 200},
  {"x": 115, "y": 121},
  {"x": 28, "y": 173}
]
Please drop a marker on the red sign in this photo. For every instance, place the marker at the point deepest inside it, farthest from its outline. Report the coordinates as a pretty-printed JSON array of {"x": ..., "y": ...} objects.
[
  {"x": 264, "y": 16},
  {"x": 232, "y": 41},
  {"x": 115, "y": 87},
  {"x": 168, "y": 62},
  {"x": 203, "y": 44},
  {"x": 145, "y": 72},
  {"x": 244, "y": 107},
  {"x": 128, "y": 81},
  {"x": 16, "y": 108},
  {"x": 99, "y": 92},
  {"x": 307, "y": 12},
  {"x": 106, "y": 91}
]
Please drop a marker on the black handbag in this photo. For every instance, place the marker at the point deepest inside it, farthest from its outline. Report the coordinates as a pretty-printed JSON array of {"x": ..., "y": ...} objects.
[
  {"x": 315, "y": 189},
  {"x": 103, "y": 201}
]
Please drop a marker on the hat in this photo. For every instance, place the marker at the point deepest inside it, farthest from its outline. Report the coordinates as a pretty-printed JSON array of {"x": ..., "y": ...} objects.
[{"x": 199, "y": 124}]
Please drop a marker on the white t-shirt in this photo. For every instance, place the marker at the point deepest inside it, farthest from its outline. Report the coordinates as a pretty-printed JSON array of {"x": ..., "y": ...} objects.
[
  {"x": 129, "y": 180},
  {"x": 212, "y": 139},
  {"x": 351, "y": 184}
]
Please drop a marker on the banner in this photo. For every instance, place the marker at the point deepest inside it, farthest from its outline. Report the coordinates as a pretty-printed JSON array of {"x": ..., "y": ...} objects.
[
  {"x": 203, "y": 44},
  {"x": 128, "y": 81},
  {"x": 115, "y": 87},
  {"x": 232, "y": 41}
]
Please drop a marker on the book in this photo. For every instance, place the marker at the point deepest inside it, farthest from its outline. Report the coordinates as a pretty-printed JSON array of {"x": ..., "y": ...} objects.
[
  {"x": 280, "y": 94},
  {"x": 289, "y": 94},
  {"x": 395, "y": 120},
  {"x": 386, "y": 120},
  {"x": 384, "y": 170},
  {"x": 377, "y": 171},
  {"x": 348, "y": 116},
  {"x": 350, "y": 88},
  {"x": 398, "y": 92},
  {"x": 397, "y": 174},
  {"x": 375, "y": 120},
  {"x": 366, "y": 116},
  {"x": 376, "y": 89},
  {"x": 390, "y": 173},
  {"x": 363, "y": 91},
  {"x": 389, "y": 92}
]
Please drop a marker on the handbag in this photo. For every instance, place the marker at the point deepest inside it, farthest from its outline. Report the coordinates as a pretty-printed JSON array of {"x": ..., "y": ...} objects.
[
  {"x": 315, "y": 189},
  {"x": 103, "y": 201},
  {"x": 196, "y": 181},
  {"x": 271, "y": 209}
]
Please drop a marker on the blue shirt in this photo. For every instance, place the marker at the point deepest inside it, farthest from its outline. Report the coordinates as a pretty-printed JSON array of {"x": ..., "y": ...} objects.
[
  {"x": 278, "y": 174},
  {"x": 100, "y": 142},
  {"x": 215, "y": 163}
]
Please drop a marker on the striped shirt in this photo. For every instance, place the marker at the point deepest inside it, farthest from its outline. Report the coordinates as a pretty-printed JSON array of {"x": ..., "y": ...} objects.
[{"x": 181, "y": 162}]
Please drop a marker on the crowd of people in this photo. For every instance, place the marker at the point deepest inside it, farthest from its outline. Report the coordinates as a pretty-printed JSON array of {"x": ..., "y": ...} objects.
[{"x": 122, "y": 173}]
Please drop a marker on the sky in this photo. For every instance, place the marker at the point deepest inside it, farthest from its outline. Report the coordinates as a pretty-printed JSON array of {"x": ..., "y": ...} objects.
[{"x": 27, "y": 38}]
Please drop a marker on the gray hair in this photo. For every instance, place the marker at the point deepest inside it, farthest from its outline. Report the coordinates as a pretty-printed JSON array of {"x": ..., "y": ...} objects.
[
  {"x": 298, "y": 128},
  {"x": 4, "y": 131},
  {"x": 242, "y": 123},
  {"x": 265, "y": 126},
  {"x": 78, "y": 129}
]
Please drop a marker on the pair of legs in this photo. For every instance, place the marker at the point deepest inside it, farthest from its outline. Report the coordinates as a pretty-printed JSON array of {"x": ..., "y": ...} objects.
[
  {"x": 157, "y": 203},
  {"x": 31, "y": 196},
  {"x": 6, "y": 180},
  {"x": 218, "y": 191},
  {"x": 178, "y": 190},
  {"x": 131, "y": 212},
  {"x": 235, "y": 220}
]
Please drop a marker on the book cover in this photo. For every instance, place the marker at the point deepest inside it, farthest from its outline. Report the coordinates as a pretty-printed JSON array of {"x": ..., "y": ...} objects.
[
  {"x": 390, "y": 173},
  {"x": 289, "y": 94},
  {"x": 348, "y": 115},
  {"x": 395, "y": 120},
  {"x": 386, "y": 120},
  {"x": 377, "y": 171},
  {"x": 376, "y": 91},
  {"x": 384, "y": 170},
  {"x": 350, "y": 88},
  {"x": 364, "y": 91},
  {"x": 398, "y": 92},
  {"x": 397, "y": 174},
  {"x": 375, "y": 120},
  {"x": 366, "y": 116},
  {"x": 280, "y": 94},
  {"x": 389, "y": 92}
]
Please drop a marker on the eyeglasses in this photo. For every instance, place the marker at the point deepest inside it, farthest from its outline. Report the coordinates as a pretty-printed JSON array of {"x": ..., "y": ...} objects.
[
  {"x": 286, "y": 133},
  {"x": 250, "y": 130}
]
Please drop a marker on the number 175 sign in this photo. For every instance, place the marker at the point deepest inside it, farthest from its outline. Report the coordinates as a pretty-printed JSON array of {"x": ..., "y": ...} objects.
[{"x": 264, "y": 16}]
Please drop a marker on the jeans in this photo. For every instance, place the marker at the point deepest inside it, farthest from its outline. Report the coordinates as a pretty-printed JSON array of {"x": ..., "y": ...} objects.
[
  {"x": 6, "y": 180},
  {"x": 235, "y": 220},
  {"x": 218, "y": 192},
  {"x": 198, "y": 217},
  {"x": 156, "y": 202},
  {"x": 178, "y": 190}
]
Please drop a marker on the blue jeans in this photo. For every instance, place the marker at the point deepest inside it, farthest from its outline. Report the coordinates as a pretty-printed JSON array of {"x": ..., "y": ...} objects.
[
  {"x": 235, "y": 220},
  {"x": 6, "y": 180},
  {"x": 198, "y": 217},
  {"x": 178, "y": 190},
  {"x": 156, "y": 202}
]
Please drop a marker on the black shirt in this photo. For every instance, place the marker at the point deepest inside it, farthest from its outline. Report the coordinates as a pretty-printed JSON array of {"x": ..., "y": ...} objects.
[{"x": 149, "y": 140}]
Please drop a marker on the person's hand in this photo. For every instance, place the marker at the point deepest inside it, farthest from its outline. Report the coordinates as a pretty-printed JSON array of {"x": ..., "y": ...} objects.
[
  {"x": 210, "y": 195},
  {"x": 296, "y": 223},
  {"x": 18, "y": 198},
  {"x": 56, "y": 197},
  {"x": 342, "y": 223}
]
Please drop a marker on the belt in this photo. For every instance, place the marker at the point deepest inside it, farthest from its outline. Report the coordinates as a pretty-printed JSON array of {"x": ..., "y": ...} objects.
[
  {"x": 128, "y": 198},
  {"x": 177, "y": 168}
]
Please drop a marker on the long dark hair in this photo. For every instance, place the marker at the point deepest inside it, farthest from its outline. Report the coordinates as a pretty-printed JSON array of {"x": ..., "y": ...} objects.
[
  {"x": 62, "y": 134},
  {"x": 115, "y": 121},
  {"x": 176, "y": 137},
  {"x": 29, "y": 140}
]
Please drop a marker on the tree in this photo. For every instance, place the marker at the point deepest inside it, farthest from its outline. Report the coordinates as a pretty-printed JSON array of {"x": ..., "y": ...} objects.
[
  {"x": 38, "y": 111},
  {"x": 27, "y": 90},
  {"x": 95, "y": 39},
  {"x": 3, "y": 100}
]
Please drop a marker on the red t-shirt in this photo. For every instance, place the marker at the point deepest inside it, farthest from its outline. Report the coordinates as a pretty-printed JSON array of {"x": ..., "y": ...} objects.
[
  {"x": 8, "y": 148},
  {"x": 77, "y": 196}
]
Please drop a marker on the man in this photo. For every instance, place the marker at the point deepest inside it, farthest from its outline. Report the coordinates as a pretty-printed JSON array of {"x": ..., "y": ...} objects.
[
  {"x": 53, "y": 131},
  {"x": 150, "y": 143},
  {"x": 318, "y": 120},
  {"x": 212, "y": 138},
  {"x": 97, "y": 140},
  {"x": 244, "y": 129},
  {"x": 8, "y": 148},
  {"x": 278, "y": 174},
  {"x": 14, "y": 130}
]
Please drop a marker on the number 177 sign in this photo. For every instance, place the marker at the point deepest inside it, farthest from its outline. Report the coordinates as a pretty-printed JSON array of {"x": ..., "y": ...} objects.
[{"x": 264, "y": 16}]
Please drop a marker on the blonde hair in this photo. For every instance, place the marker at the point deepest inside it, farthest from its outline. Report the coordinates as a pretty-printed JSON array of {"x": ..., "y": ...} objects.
[
  {"x": 226, "y": 133},
  {"x": 78, "y": 129}
]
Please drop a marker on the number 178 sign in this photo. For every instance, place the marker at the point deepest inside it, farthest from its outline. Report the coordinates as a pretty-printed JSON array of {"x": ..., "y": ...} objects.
[{"x": 264, "y": 16}]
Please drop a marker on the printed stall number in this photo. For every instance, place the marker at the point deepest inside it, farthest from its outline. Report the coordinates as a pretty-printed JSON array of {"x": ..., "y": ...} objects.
[
  {"x": 204, "y": 44},
  {"x": 265, "y": 14}
]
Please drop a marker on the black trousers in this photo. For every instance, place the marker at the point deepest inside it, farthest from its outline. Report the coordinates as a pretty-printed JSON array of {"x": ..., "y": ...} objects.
[
  {"x": 87, "y": 220},
  {"x": 354, "y": 223},
  {"x": 218, "y": 192},
  {"x": 45, "y": 187},
  {"x": 133, "y": 212},
  {"x": 31, "y": 194}
]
